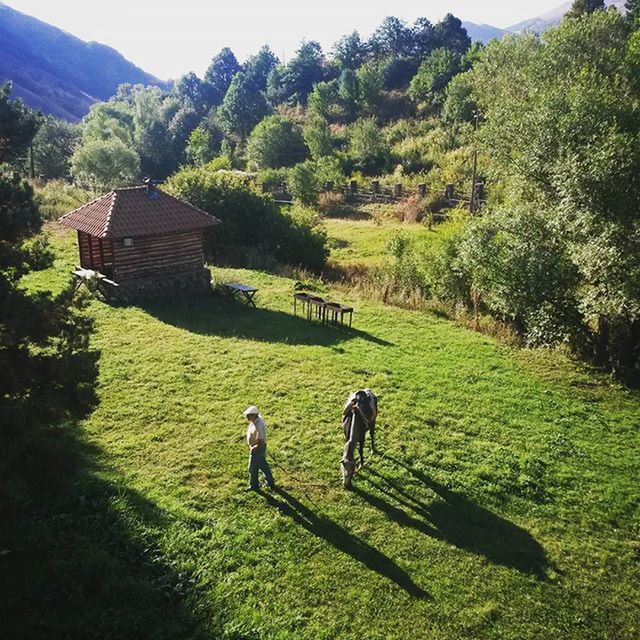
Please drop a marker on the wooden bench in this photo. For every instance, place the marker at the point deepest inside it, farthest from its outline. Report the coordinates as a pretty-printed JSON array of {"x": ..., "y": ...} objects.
[
  {"x": 242, "y": 292},
  {"x": 324, "y": 310},
  {"x": 335, "y": 311},
  {"x": 104, "y": 284}
]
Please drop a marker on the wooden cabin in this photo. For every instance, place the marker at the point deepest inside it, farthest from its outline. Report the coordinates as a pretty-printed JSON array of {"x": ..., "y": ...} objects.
[{"x": 142, "y": 241}]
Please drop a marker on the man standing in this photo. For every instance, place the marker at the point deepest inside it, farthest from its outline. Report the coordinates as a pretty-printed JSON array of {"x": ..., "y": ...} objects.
[{"x": 257, "y": 441}]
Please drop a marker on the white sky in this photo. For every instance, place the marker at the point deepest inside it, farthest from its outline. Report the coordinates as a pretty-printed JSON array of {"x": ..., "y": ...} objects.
[{"x": 170, "y": 37}]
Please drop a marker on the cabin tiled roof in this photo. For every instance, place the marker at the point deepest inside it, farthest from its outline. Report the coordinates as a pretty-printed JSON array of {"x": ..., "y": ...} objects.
[{"x": 136, "y": 211}]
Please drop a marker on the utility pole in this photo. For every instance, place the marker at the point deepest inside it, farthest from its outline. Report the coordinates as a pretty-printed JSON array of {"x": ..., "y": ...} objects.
[{"x": 472, "y": 203}]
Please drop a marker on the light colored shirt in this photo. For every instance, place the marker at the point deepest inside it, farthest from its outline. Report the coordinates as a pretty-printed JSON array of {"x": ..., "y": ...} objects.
[{"x": 257, "y": 431}]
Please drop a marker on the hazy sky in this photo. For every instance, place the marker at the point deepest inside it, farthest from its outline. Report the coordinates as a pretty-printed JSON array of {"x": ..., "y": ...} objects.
[{"x": 170, "y": 37}]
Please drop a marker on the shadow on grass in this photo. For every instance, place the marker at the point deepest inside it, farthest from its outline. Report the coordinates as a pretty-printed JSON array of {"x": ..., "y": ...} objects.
[
  {"x": 78, "y": 555},
  {"x": 456, "y": 520},
  {"x": 341, "y": 539},
  {"x": 217, "y": 316}
]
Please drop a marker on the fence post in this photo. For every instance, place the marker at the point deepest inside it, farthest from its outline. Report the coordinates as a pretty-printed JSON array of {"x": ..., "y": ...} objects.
[
  {"x": 397, "y": 191},
  {"x": 329, "y": 185},
  {"x": 448, "y": 191},
  {"x": 353, "y": 186},
  {"x": 422, "y": 190},
  {"x": 375, "y": 186}
]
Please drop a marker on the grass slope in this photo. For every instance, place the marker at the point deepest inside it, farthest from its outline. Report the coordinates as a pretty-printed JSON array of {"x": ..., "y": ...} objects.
[{"x": 504, "y": 503}]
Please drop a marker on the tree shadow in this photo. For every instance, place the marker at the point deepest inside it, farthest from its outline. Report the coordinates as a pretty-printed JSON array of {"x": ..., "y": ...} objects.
[
  {"x": 79, "y": 556},
  {"x": 458, "y": 521},
  {"x": 336, "y": 535},
  {"x": 216, "y": 316}
]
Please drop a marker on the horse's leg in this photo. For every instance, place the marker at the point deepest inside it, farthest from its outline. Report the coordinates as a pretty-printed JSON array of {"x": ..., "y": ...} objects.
[
  {"x": 361, "y": 447},
  {"x": 372, "y": 428}
]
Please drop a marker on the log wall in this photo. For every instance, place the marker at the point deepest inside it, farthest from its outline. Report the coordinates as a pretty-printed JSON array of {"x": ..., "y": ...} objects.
[
  {"x": 95, "y": 253},
  {"x": 162, "y": 255}
]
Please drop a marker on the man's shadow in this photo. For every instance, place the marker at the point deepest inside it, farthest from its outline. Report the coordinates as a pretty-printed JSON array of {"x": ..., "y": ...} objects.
[
  {"x": 341, "y": 539},
  {"x": 456, "y": 520}
]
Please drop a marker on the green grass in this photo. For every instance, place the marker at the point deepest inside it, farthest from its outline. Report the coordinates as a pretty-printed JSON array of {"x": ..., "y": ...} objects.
[
  {"x": 504, "y": 503},
  {"x": 364, "y": 241}
]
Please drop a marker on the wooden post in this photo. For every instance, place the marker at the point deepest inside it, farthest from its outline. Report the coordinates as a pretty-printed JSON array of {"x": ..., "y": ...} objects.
[
  {"x": 353, "y": 186},
  {"x": 397, "y": 190},
  {"x": 422, "y": 190},
  {"x": 448, "y": 191},
  {"x": 329, "y": 185},
  {"x": 375, "y": 186}
]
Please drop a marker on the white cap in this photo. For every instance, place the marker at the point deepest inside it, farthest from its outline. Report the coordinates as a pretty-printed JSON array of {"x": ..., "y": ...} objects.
[{"x": 251, "y": 410}]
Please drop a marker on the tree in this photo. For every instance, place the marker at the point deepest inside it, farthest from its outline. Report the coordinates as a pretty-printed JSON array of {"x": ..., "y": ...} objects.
[
  {"x": 459, "y": 105},
  {"x": 105, "y": 164},
  {"x": 393, "y": 38},
  {"x": 371, "y": 85},
  {"x": 304, "y": 70},
  {"x": 47, "y": 369},
  {"x": 350, "y": 51},
  {"x": 583, "y": 7},
  {"x": 569, "y": 138},
  {"x": 349, "y": 92},
  {"x": 323, "y": 98},
  {"x": 276, "y": 141},
  {"x": 451, "y": 35},
  {"x": 303, "y": 183},
  {"x": 317, "y": 136},
  {"x": 53, "y": 146},
  {"x": 219, "y": 75},
  {"x": 258, "y": 67},
  {"x": 367, "y": 148},
  {"x": 107, "y": 120},
  {"x": 18, "y": 125},
  {"x": 241, "y": 109},
  {"x": 424, "y": 38},
  {"x": 191, "y": 91},
  {"x": 433, "y": 76},
  {"x": 632, "y": 8}
]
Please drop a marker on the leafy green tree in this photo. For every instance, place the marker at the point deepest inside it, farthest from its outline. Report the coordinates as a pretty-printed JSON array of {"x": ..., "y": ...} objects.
[
  {"x": 323, "y": 98},
  {"x": 371, "y": 85},
  {"x": 303, "y": 183},
  {"x": 396, "y": 72},
  {"x": 367, "y": 147},
  {"x": 317, "y": 136},
  {"x": 276, "y": 91},
  {"x": 433, "y": 76},
  {"x": 393, "y": 38},
  {"x": 218, "y": 76},
  {"x": 349, "y": 92},
  {"x": 105, "y": 164},
  {"x": 570, "y": 137},
  {"x": 107, "y": 120},
  {"x": 276, "y": 141},
  {"x": 583, "y": 7},
  {"x": 53, "y": 146},
  {"x": 191, "y": 91},
  {"x": 451, "y": 35},
  {"x": 18, "y": 125},
  {"x": 258, "y": 67},
  {"x": 201, "y": 146},
  {"x": 424, "y": 39},
  {"x": 304, "y": 70},
  {"x": 632, "y": 8},
  {"x": 350, "y": 51},
  {"x": 47, "y": 369},
  {"x": 242, "y": 108},
  {"x": 459, "y": 105}
]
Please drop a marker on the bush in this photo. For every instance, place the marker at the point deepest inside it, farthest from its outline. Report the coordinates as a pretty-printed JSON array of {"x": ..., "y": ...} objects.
[
  {"x": 276, "y": 141},
  {"x": 57, "y": 197},
  {"x": 250, "y": 220},
  {"x": 303, "y": 183},
  {"x": 330, "y": 203},
  {"x": 411, "y": 209}
]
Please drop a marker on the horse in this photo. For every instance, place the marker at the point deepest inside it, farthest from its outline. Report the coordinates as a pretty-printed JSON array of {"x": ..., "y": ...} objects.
[{"x": 358, "y": 416}]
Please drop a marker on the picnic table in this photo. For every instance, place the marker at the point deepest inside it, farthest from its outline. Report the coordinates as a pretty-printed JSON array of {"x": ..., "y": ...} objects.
[
  {"x": 323, "y": 309},
  {"x": 242, "y": 292},
  {"x": 84, "y": 276}
]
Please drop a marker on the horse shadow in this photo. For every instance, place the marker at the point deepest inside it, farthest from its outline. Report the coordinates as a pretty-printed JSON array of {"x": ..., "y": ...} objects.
[
  {"x": 219, "y": 316},
  {"x": 336, "y": 535},
  {"x": 458, "y": 521}
]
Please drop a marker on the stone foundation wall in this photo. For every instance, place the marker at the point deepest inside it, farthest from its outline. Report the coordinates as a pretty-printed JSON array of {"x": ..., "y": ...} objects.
[{"x": 171, "y": 284}]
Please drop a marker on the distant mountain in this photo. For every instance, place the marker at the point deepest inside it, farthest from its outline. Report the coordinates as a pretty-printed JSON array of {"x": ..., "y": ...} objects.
[
  {"x": 57, "y": 72},
  {"x": 485, "y": 32}
]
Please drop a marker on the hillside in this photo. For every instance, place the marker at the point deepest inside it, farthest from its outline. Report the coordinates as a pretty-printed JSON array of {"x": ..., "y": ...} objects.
[{"x": 54, "y": 71}]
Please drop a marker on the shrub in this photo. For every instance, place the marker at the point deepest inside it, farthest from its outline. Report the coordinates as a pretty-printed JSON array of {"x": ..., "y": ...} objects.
[
  {"x": 250, "y": 220},
  {"x": 330, "y": 203},
  {"x": 57, "y": 197},
  {"x": 303, "y": 183},
  {"x": 276, "y": 141},
  {"x": 411, "y": 209}
]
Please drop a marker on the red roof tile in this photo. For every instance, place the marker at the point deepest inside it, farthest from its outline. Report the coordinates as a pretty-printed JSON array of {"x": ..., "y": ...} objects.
[{"x": 128, "y": 213}]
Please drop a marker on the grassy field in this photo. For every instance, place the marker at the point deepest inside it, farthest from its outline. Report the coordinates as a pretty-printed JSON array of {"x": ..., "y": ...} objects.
[
  {"x": 504, "y": 502},
  {"x": 363, "y": 241}
]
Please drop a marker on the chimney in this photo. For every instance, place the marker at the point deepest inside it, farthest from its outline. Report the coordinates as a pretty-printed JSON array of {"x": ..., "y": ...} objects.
[{"x": 150, "y": 188}]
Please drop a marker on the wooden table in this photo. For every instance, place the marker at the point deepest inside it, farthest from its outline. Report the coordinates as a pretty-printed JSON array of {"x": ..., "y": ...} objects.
[
  {"x": 242, "y": 291},
  {"x": 104, "y": 285},
  {"x": 303, "y": 298},
  {"x": 335, "y": 311},
  {"x": 316, "y": 306}
]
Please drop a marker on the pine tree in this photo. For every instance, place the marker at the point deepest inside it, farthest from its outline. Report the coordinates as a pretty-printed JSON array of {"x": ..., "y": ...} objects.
[
  {"x": 633, "y": 12},
  {"x": 582, "y": 7}
]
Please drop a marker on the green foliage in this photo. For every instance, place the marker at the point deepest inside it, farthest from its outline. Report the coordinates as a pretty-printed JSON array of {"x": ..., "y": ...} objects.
[
  {"x": 451, "y": 35},
  {"x": 459, "y": 105},
  {"x": 107, "y": 120},
  {"x": 219, "y": 75},
  {"x": 57, "y": 197},
  {"x": 349, "y": 52},
  {"x": 371, "y": 84},
  {"x": 584, "y": 7},
  {"x": 258, "y": 67},
  {"x": 18, "y": 125},
  {"x": 304, "y": 241},
  {"x": 105, "y": 165},
  {"x": 202, "y": 146},
  {"x": 367, "y": 148},
  {"x": 632, "y": 8},
  {"x": 276, "y": 141},
  {"x": 303, "y": 71},
  {"x": 396, "y": 73},
  {"x": 242, "y": 108},
  {"x": 251, "y": 221},
  {"x": 393, "y": 38},
  {"x": 53, "y": 147},
  {"x": 317, "y": 136},
  {"x": 433, "y": 76},
  {"x": 303, "y": 183},
  {"x": 348, "y": 92},
  {"x": 322, "y": 100}
]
